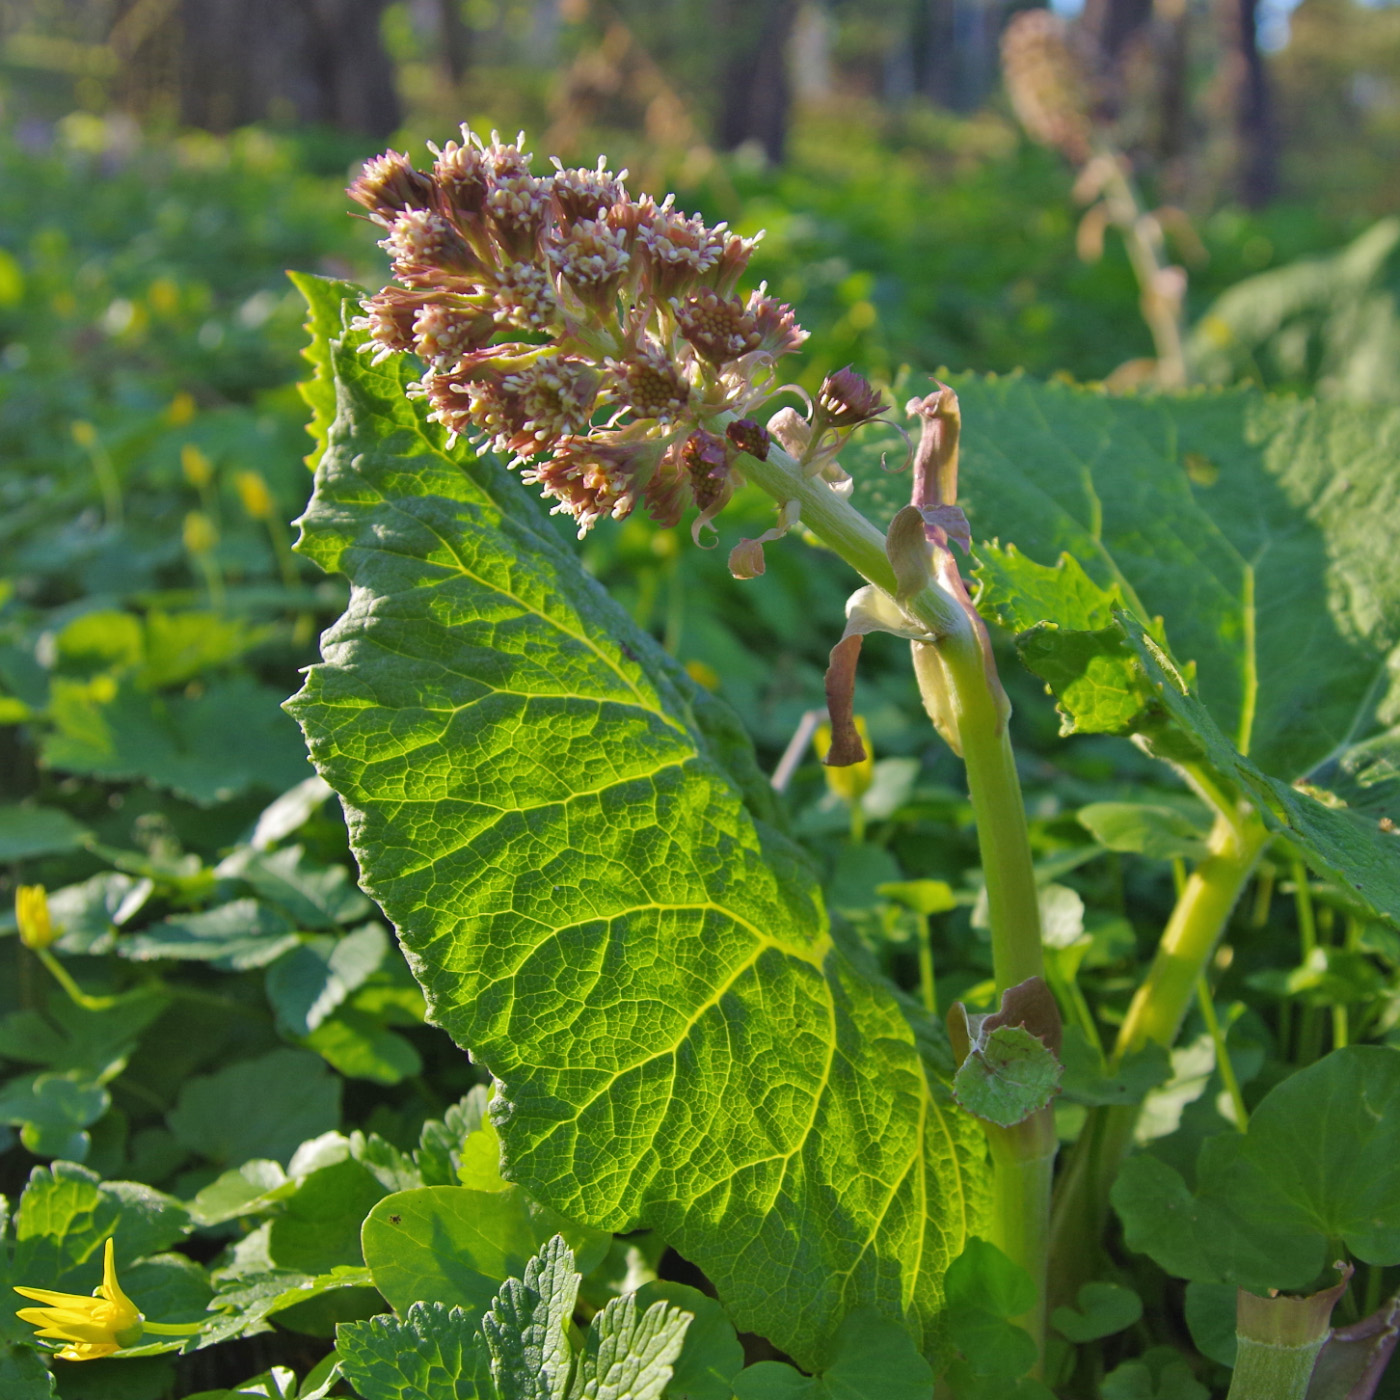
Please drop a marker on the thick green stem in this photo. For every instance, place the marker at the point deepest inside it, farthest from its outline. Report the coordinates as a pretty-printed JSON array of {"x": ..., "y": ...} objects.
[
  {"x": 1264, "y": 1371},
  {"x": 1012, "y": 901},
  {"x": 1279, "y": 1342},
  {"x": 831, "y": 518},
  {"x": 1023, "y": 1170},
  {"x": 1156, "y": 1014},
  {"x": 958, "y": 683},
  {"x": 1200, "y": 916}
]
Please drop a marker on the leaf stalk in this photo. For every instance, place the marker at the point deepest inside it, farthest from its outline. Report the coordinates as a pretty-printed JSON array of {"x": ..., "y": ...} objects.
[{"x": 1157, "y": 1011}]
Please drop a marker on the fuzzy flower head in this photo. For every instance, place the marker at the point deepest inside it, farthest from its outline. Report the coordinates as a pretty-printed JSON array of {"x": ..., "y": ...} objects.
[
  {"x": 92, "y": 1327},
  {"x": 594, "y": 337}
]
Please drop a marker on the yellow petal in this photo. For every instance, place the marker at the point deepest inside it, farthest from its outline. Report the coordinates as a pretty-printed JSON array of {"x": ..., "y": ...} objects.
[
  {"x": 87, "y": 1351},
  {"x": 77, "y": 1331},
  {"x": 111, "y": 1289},
  {"x": 54, "y": 1317},
  {"x": 45, "y": 1295}
]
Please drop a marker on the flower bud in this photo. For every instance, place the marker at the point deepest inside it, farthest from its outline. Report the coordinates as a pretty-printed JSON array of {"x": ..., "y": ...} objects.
[
  {"x": 651, "y": 384},
  {"x": 462, "y": 180},
  {"x": 583, "y": 194},
  {"x": 592, "y": 258},
  {"x": 253, "y": 493},
  {"x": 424, "y": 246},
  {"x": 199, "y": 534},
  {"x": 678, "y": 250},
  {"x": 778, "y": 331},
  {"x": 36, "y": 928},
  {"x": 749, "y": 437},
  {"x": 198, "y": 469},
  {"x": 517, "y": 206},
  {"x": 706, "y": 459},
  {"x": 847, "y": 399},
  {"x": 388, "y": 184}
]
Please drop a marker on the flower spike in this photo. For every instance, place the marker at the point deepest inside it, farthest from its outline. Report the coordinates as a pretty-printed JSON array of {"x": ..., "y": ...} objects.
[{"x": 592, "y": 337}]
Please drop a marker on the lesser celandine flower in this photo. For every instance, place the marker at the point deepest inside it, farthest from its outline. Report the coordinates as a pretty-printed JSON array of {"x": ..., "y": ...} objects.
[
  {"x": 595, "y": 338},
  {"x": 92, "y": 1327},
  {"x": 95, "y": 1327},
  {"x": 36, "y": 928}
]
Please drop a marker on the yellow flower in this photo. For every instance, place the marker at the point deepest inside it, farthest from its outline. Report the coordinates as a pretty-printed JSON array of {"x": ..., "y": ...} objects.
[
  {"x": 36, "y": 928},
  {"x": 92, "y": 1327}
]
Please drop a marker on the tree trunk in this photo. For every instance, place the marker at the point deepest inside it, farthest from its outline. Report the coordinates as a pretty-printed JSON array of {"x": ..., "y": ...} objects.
[
  {"x": 306, "y": 60},
  {"x": 456, "y": 40},
  {"x": 1174, "y": 28},
  {"x": 935, "y": 58},
  {"x": 755, "y": 91},
  {"x": 1256, "y": 150},
  {"x": 1112, "y": 26}
]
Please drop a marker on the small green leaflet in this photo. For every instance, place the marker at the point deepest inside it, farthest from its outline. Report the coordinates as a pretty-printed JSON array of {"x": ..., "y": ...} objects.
[
  {"x": 1161, "y": 1374},
  {"x": 712, "y": 1354},
  {"x": 1007, "y": 1076},
  {"x": 986, "y": 1290},
  {"x": 870, "y": 1359},
  {"x": 68, "y": 1213},
  {"x": 1068, "y": 635},
  {"x": 27, "y": 831},
  {"x": 209, "y": 747},
  {"x": 1160, "y": 833},
  {"x": 628, "y": 1353},
  {"x": 1101, "y": 1310},
  {"x": 432, "y": 1353},
  {"x": 23, "y": 1376},
  {"x": 575, "y": 846},
  {"x": 262, "y": 1107},
  {"x": 527, "y": 1327}
]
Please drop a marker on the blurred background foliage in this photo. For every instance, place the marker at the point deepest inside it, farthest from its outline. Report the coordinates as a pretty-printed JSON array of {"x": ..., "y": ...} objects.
[{"x": 164, "y": 162}]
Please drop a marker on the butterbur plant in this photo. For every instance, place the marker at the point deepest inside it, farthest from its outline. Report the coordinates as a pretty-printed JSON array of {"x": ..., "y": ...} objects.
[{"x": 597, "y": 888}]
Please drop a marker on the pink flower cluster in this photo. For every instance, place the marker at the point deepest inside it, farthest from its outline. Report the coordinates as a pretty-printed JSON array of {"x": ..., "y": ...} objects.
[{"x": 595, "y": 339}]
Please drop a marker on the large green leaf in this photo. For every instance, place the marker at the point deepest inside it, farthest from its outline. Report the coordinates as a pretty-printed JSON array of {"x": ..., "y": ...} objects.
[
  {"x": 1259, "y": 530},
  {"x": 575, "y": 846},
  {"x": 1319, "y": 1167}
]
